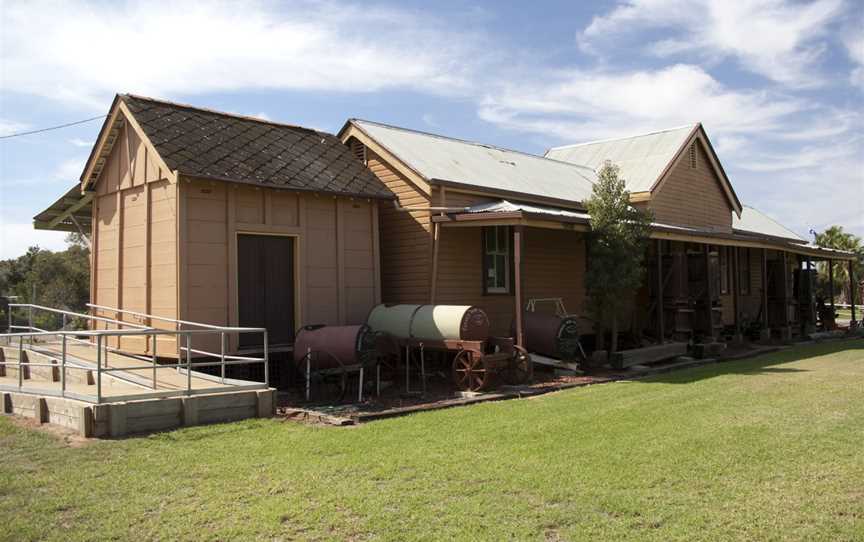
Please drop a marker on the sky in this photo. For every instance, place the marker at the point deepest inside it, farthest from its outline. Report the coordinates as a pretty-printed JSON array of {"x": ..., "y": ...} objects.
[{"x": 778, "y": 84}]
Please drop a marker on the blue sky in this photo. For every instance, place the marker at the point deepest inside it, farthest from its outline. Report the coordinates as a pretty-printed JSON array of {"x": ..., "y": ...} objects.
[{"x": 779, "y": 85}]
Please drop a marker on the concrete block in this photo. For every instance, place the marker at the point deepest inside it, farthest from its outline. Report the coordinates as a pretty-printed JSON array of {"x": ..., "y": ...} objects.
[
  {"x": 266, "y": 403},
  {"x": 117, "y": 420},
  {"x": 85, "y": 422},
  {"x": 40, "y": 412},
  {"x": 7, "y": 403},
  {"x": 190, "y": 410}
]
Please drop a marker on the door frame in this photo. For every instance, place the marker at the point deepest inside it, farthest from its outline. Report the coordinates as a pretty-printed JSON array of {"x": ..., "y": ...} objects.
[{"x": 235, "y": 343}]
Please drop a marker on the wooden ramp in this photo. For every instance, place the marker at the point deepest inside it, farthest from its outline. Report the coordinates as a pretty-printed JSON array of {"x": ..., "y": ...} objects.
[{"x": 127, "y": 401}]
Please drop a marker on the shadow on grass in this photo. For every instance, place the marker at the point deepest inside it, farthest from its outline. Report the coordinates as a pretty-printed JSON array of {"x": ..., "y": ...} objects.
[{"x": 769, "y": 363}]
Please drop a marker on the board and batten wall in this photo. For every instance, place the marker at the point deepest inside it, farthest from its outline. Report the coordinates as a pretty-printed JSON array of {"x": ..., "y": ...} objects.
[
  {"x": 336, "y": 251},
  {"x": 134, "y": 240},
  {"x": 168, "y": 247}
]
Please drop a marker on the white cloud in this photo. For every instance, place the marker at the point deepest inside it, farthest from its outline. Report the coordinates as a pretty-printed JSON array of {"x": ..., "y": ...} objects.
[
  {"x": 199, "y": 47},
  {"x": 8, "y": 127},
  {"x": 78, "y": 142},
  {"x": 430, "y": 120},
  {"x": 15, "y": 239},
  {"x": 779, "y": 39},
  {"x": 585, "y": 105},
  {"x": 70, "y": 170}
]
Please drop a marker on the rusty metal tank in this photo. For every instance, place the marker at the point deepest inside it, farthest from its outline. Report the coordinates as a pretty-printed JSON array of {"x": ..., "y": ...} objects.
[
  {"x": 335, "y": 346},
  {"x": 430, "y": 322},
  {"x": 551, "y": 335}
]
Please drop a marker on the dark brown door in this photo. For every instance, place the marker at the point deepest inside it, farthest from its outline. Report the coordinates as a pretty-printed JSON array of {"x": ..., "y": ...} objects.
[{"x": 265, "y": 289}]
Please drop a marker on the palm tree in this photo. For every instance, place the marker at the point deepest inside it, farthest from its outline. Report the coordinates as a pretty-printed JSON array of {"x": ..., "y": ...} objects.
[{"x": 834, "y": 237}]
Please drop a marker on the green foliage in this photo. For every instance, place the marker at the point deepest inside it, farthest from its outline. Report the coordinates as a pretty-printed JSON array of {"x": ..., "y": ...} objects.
[
  {"x": 616, "y": 250},
  {"x": 834, "y": 237},
  {"x": 55, "y": 279}
]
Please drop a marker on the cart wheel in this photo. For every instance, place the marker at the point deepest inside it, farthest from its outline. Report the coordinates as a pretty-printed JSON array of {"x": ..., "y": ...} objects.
[
  {"x": 328, "y": 385},
  {"x": 520, "y": 369},
  {"x": 469, "y": 371}
]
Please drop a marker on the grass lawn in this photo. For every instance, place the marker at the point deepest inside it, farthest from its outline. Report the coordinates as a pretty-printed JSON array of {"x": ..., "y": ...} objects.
[{"x": 767, "y": 448}]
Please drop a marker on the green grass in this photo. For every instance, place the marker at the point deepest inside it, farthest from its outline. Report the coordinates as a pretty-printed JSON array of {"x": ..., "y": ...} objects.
[{"x": 768, "y": 448}]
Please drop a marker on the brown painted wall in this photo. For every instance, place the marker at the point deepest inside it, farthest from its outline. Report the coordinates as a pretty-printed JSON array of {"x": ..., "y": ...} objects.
[
  {"x": 406, "y": 240},
  {"x": 692, "y": 196},
  {"x": 336, "y": 270},
  {"x": 134, "y": 233},
  {"x": 554, "y": 266}
]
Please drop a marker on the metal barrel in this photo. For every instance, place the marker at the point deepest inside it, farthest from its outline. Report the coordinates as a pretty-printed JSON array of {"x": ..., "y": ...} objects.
[
  {"x": 430, "y": 322},
  {"x": 551, "y": 335},
  {"x": 350, "y": 345}
]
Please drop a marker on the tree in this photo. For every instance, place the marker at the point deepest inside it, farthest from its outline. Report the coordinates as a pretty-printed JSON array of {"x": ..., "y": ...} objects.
[
  {"x": 56, "y": 279},
  {"x": 617, "y": 244},
  {"x": 834, "y": 237}
]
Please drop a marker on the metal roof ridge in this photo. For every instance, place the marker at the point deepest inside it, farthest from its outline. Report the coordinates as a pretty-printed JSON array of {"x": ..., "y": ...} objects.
[
  {"x": 474, "y": 143},
  {"x": 610, "y": 139}
]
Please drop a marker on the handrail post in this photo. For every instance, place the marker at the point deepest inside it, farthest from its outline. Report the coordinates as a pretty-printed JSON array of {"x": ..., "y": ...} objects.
[
  {"x": 223, "y": 358},
  {"x": 63, "y": 366},
  {"x": 30, "y": 323},
  {"x": 98, "y": 368},
  {"x": 189, "y": 364},
  {"x": 266, "y": 362},
  {"x": 20, "y": 359},
  {"x": 155, "y": 358}
]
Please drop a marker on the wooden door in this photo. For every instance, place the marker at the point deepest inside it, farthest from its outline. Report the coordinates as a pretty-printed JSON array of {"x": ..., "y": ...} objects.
[{"x": 265, "y": 289}]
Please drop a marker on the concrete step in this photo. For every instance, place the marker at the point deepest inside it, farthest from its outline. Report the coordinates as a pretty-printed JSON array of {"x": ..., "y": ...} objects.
[{"x": 75, "y": 374}]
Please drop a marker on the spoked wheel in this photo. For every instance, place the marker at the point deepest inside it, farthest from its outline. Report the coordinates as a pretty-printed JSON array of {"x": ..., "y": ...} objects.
[
  {"x": 469, "y": 371},
  {"x": 520, "y": 369},
  {"x": 328, "y": 379}
]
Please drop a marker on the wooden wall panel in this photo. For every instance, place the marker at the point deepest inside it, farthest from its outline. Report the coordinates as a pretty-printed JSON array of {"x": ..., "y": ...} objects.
[
  {"x": 405, "y": 238},
  {"x": 554, "y": 267},
  {"x": 693, "y": 196},
  {"x": 322, "y": 261}
]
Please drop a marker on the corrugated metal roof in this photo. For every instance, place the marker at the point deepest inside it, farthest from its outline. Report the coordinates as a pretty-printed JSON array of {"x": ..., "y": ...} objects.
[
  {"x": 445, "y": 159},
  {"x": 505, "y": 206},
  {"x": 641, "y": 158},
  {"x": 755, "y": 221}
]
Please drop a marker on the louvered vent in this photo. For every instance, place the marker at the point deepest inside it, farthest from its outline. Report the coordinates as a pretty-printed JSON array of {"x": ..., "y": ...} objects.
[
  {"x": 359, "y": 150},
  {"x": 692, "y": 153}
]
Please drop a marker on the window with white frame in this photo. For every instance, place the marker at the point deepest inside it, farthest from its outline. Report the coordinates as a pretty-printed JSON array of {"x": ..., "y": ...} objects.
[{"x": 496, "y": 260}]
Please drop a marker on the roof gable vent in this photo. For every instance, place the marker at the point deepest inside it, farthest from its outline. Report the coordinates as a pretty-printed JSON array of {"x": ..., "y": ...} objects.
[
  {"x": 358, "y": 149},
  {"x": 692, "y": 154}
]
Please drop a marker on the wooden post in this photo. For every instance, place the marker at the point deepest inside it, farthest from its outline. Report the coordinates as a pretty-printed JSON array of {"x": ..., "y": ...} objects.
[
  {"x": 851, "y": 293},
  {"x": 517, "y": 284},
  {"x": 785, "y": 289},
  {"x": 831, "y": 283},
  {"x": 764, "y": 288},
  {"x": 660, "y": 326},
  {"x": 735, "y": 291},
  {"x": 708, "y": 291},
  {"x": 811, "y": 306},
  {"x": 436, "y": 236}
]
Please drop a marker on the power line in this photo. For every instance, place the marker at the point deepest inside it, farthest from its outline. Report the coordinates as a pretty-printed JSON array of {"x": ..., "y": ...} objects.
[{"x": 19, "y": 134}]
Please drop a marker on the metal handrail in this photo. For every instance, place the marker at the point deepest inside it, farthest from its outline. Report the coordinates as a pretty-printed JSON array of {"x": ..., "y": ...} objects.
[
  {"x": 32, "y": 332},
  {"x": 176, "y": 321}
]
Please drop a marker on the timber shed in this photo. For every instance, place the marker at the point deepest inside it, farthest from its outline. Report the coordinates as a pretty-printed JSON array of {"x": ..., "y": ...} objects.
[{"x": 210, "y": 217}]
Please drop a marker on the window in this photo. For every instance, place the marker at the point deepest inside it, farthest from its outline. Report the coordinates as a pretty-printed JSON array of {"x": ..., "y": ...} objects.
[
  {"x": 496, "y": 260},
  {"x": 744, "y": 270}
]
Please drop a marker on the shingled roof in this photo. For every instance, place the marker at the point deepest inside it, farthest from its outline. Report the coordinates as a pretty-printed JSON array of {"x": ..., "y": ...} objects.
[{"x": 211, "y": 144}]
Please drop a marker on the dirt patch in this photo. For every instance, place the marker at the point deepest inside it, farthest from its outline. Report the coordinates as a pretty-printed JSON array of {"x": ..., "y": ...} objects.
[{"x": 64, "y": 435}]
